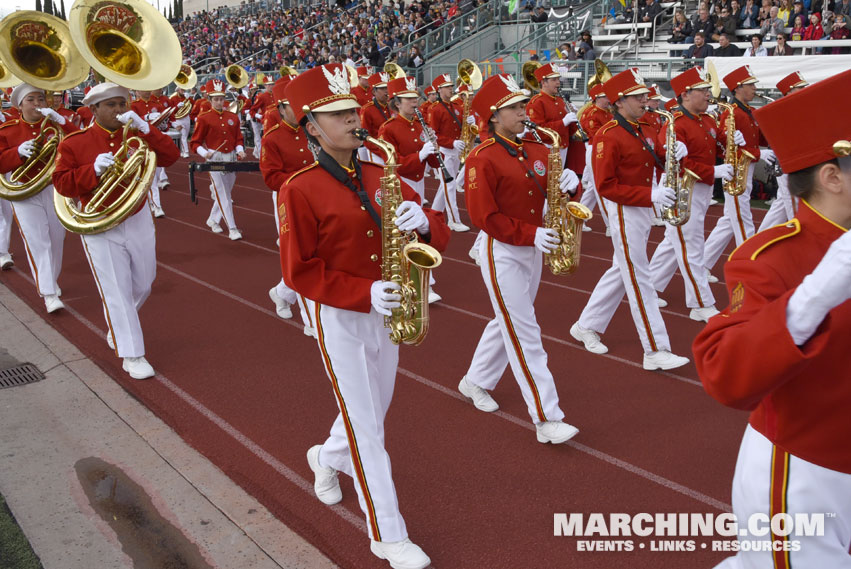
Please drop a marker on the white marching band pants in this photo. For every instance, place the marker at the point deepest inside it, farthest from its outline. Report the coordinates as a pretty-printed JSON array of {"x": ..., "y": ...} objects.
[
  {"x": 44, "y": 238},
  {"x": 630, "y": 274},
  {"x": 361, "y": 361},
  {"x": 257, "y": 131},
  {"x": 763, "y": 472},
  {"x": 446, "y": 192},
  {"x": 782, "y": 208},
  {"x": 156, "y": 183},
  {"x": 5, "y": 225},
  {"x": 184, "y": 133},
  {"x": 513, "y": 337},
  {"x": 736, "y": 222},
  {"x": 683, "y": 247},
  {"x": 589, "y": 196},
  {"x": 124, "y": 265},
  {"x": 221, "y": 190}
]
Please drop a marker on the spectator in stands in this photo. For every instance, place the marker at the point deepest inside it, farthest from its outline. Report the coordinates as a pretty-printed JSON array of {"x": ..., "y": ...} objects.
[
  {"x": 681, "y": 28},
  {"x": 628, "y": 14},
  {"x": 843, "y": 7},
  {"x": 765, "y": 11},
  {"x": 727, "y": 49},
  {"x": 782, "y": 47},
  {"x": 814, "y": 30},
  {"x": 586, "y": 47},
  {"x": 749, "y": 15},
  {"x": 773, "y": 25},
  {"x": 756, "y": 49},
  {"x": 699, "y": 49},
  {"x": 649, "y": 11},
  {"x": 725, "y": 24},
  {"x": 784, "y": 11},
  {"x": 798, "y": 10},
  {"x": 567, "y": 52},
  {"x": 703, "y": 24},
  {"x": 735, "y": 10},
  {"x": 539, "y": 16},
  {"x": 840, "y": 32},
  {"x": 798, "y": 29}
]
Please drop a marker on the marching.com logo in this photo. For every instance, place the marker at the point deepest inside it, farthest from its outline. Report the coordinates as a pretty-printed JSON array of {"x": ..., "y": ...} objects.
[{"x": 760, "y": 532}]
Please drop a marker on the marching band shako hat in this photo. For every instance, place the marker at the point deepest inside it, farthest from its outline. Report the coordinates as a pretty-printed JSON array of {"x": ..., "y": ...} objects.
[
  {"x": 827, "y": 135},
  {"x": 363, "y": 71},
  {"x": 545, "y": 72},
  {"x": 280, "y": 87},
  {"x": 790, "y": 82},
  {"x": 694, "y": 78},
  {"x": 321, "y": 90},
  {"x": 654, "y": 93},
  {"x": 625, "y": 83},
  {"x": 596, "y": 91},
  {"x": 443, "y": 80},
  {"x": 104, "y": 91},
  {"x": 496, "y": 92},
  {"x": 670, "y": 104},
  {"x": 378, "y": 80},
  {"x": 741, "y": 76},
  {"x": 215, "y": 88},
  {"x": 21, "y": 91},
  {"x": 429, "y": 90},
  {"x": 404, "y": 87},
  {"x": 463, "y": 88}
]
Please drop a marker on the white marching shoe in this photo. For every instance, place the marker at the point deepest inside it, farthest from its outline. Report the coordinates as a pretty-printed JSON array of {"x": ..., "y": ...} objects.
[
  {"x": 138, "y": 368},
  {"x": 459, "y": 227},
  {"x": 661, "y": 302},
  {"x": 433, "y": 296},
  {"x": 158, "y": 211},
  {"x": 325, "y": 484},
  {"x": 234, "y": 235},
  {"x": 52, "y": 303},
  {"x": 711, "y": 278},
  {"x": 482, "y": 400},
  {"x": 281, "y": 306},
  {"x": 608, "y": 232},
  {"x": 663, "y": 360},
  {"x": 184, "y": 155},
  {"x": 214, "y": 226},
  {"x": 6, "y": 261},
  {"x": 589, "y": 338},
  {"x": 310, "y": 331},
  {"x": 474, "y": 254},
  {"x": 109, "y": 341},
  {"x": 555, "y": 432},
  {"x": 586, "y": 228},
  {"x": 403, "y": 554},
  {"x": 703, "y": 314}
]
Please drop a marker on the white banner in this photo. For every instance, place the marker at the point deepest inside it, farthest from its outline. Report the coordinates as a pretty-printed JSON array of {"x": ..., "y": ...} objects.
[{"x": 770, "y": 70}]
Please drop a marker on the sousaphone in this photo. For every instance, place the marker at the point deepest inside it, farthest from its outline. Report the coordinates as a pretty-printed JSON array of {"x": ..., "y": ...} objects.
[
  {"x": 6, "y": 78},
  {"x": 601, "y": 75}
]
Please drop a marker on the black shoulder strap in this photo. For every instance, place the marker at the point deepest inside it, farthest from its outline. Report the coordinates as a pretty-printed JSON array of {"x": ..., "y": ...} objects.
[
  {"x": 451, "y": 114},
  {"x": 380, "y": 110},
  {"x": 339, "y": 173},
  {"x": 744, "y": 107},
  {"x": 628, "y": 127},
  {"x": 513, "y": 152},
  {"x": 700, "y": 122}
]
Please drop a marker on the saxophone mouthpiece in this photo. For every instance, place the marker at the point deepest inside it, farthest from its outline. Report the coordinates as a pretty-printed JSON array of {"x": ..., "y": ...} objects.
[
  {"x": 529, "y": 124},
  {"x": 360, "y": 133}
]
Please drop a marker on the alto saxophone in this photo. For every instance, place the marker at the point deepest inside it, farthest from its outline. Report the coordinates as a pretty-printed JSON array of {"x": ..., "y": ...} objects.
[
  {"x": 468, "y": 131},
  {"x": 740, "y": 163},
  {"x": 404, "y": 261},
  {"x": 682, "y": 184},
  {"x": 563, "y": 216}
]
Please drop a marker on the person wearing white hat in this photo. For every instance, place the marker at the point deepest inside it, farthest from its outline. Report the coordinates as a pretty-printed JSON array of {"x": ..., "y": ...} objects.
[
  {"x": 6, "y": 261},
  {"x": 41, "y": 231},
  {"x": 122, "y": 259}
]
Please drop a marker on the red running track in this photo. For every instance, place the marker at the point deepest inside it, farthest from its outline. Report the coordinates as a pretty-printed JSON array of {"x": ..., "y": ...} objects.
[{"x": 248, "y": 390}]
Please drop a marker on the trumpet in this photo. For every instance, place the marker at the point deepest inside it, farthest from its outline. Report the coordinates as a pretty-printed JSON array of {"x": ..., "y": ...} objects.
[{"x": 432, "y": 137}]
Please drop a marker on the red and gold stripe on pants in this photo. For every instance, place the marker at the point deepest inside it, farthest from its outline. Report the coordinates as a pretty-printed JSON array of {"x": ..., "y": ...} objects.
[
  {"x": 777, "y": 498},
  {"x": 634, "y": 281}
]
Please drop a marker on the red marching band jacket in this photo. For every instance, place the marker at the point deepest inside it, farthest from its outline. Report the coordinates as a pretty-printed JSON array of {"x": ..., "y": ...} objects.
[
  {"x": 408, "y": 138},
  {"x": 217, "y": 131},
  {"x": 699, "y": 134},
  {"x": 447, "y": 129},
  {"x": 750, "y": 130},
  {"x": 283, "y": 153},
  {"x": 623, "y": 167},
  {"x": 15, "y": 132}
]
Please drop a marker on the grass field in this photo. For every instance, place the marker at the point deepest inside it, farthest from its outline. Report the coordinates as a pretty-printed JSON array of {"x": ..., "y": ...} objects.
[{"x": 15, "y": 550}]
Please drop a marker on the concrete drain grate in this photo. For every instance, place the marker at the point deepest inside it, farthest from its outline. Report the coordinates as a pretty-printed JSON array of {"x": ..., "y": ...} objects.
[{"x": 19, "y": 375}]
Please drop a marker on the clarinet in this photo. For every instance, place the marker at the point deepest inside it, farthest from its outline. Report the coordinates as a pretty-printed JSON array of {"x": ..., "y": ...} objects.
[{"x": 447, "y": 177}]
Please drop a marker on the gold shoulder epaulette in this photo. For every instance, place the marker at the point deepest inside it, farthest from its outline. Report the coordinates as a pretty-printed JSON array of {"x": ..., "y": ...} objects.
[
  {"x": 484, "y": 144},
  {"x": 272, "y": 129},
  {"x": 752, "y": 248},
  {"x": 297, "y": 172},
  {"x": 76, "y": 132},
  {"x": 9, "y": 123},
  {"x": 608, "y": 126}
]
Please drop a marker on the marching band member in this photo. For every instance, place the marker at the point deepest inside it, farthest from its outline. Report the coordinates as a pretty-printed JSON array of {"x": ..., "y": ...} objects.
[
  {"x": 57, "y": 103},
  {"x": 331, "y": 249},
  {"x": 149, "y": 106},
  {"x": 41, "y": 231},
  {"x": 783, "y": 207},
  {"x": 362, "y": 91},
  {"x": 165, "y": 103},
  {"x": 683, "y": 244},
  {"x": 262, "y": 101},
  {"x": 446, "y": 123},
  {"x": 374, "y": 114},
  {"x": 218, "y": 138},
  {"x": 201, "y": 104},
  {"x": 549, "y": 110},
  {"x": 122, "y": 259},
  {"x": 738, "y": 219},
  {"x": 594, "y": 117},
  {"x": 179, "y": 97},
  {"x": 623, "y": 159},
  {"x": 506, "y": 191},
  {"x": 789, "y": 288},
  {"x": 654, "y": 99},
  {"x": 6, "y": 261},
  {"x": 85, "y": 113},
  {"x": 284, "y": 153},
  {"x": 425, "y": 110}
]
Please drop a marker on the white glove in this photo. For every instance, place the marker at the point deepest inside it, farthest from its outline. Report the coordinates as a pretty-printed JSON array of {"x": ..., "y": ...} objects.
[
  {"x": 568, "y": 119},
  {"x": 568, "y": 181},
  {"x": 426, "y": 151},
  {"x": 768, "y": 155},
  {"x": 202, "y": 152},
  {"x": 258, "y": 116},
  {"x": 153, "y": 116},
  {"x": 681, "y": 151},
  {"x": 546, "y": 240},
  {"x": 240, "y": 151},
  {"x": 102, "y": 162},
  {"x": 53, "y": 115},
  {"x": 828, "y": 286},
  {"x": 724, "y": 171},
  {"x": 25, "y": 150},
  {"x": 663, "y": 195},
  {"x": 458, "y": 145},
  {"x": 136, "y": 120},
  {"x": 384, "y": 296},
  {"x": 739, "y": 138},
  {"x": 411, "y": 217},
  {"x": 471, "y": 120}
]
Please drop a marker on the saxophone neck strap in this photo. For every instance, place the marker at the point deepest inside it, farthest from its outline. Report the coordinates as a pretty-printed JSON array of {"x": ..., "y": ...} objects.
[
  {"x": 687, "y": 114},
  {"x": 522, "y": 157},
  {"x": 451, "y": 114},
  {"x": 380, "y": 108},
  {"x": 339, "y": 173},
  {"x": 628, "y": 127},
  {"x": 744, "y": 107}
]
